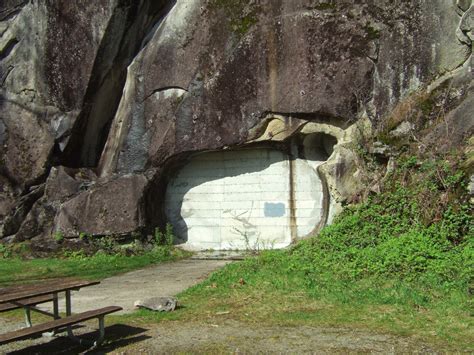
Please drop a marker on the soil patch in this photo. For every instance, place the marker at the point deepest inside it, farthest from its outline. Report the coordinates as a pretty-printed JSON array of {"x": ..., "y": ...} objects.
[{"x": 231, "y": 337}]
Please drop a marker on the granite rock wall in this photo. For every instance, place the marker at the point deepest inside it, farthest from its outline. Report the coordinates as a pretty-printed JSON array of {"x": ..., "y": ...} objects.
[{"x": 108, "y": 98}]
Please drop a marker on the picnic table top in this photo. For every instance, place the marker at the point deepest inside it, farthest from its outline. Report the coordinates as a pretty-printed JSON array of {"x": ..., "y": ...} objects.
[{"x": 16, "y": 293}]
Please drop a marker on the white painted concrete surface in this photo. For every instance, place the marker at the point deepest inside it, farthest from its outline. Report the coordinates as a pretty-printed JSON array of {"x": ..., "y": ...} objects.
[
  {"x": 238, "y": 200},
  {"x": 308, "y": 196}
]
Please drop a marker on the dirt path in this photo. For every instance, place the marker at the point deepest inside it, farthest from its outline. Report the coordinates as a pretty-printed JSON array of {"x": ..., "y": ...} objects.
[
  {"x": 166, "y": 279},
  {"x": 231, "y": 337}
]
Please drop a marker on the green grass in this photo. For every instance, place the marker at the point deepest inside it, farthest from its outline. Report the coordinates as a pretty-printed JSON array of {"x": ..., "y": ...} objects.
[{"x": 98, "y": 266}]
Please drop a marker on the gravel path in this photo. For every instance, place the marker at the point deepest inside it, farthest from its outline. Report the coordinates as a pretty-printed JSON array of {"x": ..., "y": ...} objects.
[
  {"x": 167, "y": 279},
  {"x": 229, "y": 337},
  {"x": 233, "y": 337}
]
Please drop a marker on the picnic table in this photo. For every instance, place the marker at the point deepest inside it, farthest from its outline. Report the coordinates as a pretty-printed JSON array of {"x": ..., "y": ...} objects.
[{"x": 29, "y": 296}]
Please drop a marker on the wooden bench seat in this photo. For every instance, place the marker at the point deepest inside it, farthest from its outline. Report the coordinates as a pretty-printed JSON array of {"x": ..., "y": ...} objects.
[
  {"x": 27, "y": 302},
  {"x": 58, "y": 324}
]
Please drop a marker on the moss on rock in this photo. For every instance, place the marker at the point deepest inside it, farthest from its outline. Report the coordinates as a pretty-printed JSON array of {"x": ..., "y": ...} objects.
[{"x": 241, "y": 14}]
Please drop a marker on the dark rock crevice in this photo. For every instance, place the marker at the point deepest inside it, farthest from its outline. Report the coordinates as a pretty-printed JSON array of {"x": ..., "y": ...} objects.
[
  {"x": 11, "y": 8},
  {"x": 130, "y": 25},
  {"x": 28, "y": 195},
  {"x": 5, "y": 75},
  {"x": 12, "y": 223},
  {"x": 8, "y": 48}
]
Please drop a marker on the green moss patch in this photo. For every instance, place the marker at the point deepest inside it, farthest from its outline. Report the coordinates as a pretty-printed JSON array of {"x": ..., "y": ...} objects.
[
  {"x": 241, "y": 14},
  {"x": 371, "y": 32}
]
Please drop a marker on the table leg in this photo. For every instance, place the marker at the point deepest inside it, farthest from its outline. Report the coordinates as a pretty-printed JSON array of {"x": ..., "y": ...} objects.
[
  {"x": 28, "y": 316},
  {"x": 55, "y": 315},
  {"x": 70, "y": 333},
  {"x": 68, "y": 303},
  {"x": 55, "y": 306},
  {"x": 100, "y": 339},
  {"x": 68, "y": 313}
]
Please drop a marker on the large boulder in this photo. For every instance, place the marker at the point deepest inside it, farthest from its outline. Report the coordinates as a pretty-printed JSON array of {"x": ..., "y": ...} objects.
[
  {"x": 216, "y": 74},
  {"x": 113, "y": 208}
]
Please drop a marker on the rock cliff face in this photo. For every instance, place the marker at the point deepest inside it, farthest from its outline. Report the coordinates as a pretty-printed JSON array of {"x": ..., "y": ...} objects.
[{"x": 102, "y": 101}]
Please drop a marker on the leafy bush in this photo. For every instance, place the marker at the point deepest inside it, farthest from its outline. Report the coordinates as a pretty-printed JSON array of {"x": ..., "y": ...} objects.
[
  {"x": 5, "y": 251},
  {"x": 58, "y": 236},
  {"x": 167, "y": 238}
]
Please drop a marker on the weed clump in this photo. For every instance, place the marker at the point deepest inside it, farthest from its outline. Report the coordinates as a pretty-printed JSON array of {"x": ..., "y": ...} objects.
[
  {"x": 371, "y": 32},
  {"x": 323, "y": 6}
]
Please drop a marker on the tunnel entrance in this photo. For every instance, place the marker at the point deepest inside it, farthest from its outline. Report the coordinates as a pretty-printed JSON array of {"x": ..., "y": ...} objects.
[{"x": 248, "y": 199}]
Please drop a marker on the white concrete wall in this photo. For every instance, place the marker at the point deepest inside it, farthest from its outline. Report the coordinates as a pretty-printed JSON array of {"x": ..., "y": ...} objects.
[
  {"x": 308, "y": 196},
  {"x": 240, "y": 200}
]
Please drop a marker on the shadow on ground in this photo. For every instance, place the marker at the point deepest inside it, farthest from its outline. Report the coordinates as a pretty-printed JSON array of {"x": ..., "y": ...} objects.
[{"x": 116, "y": 336}]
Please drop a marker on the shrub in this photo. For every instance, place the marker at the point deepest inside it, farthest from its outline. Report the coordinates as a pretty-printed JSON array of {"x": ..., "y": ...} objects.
[
  {"x": 167, "y": 238},
  {"x": 58, "y": 236},
  {"x": 5, "y": 251}
]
